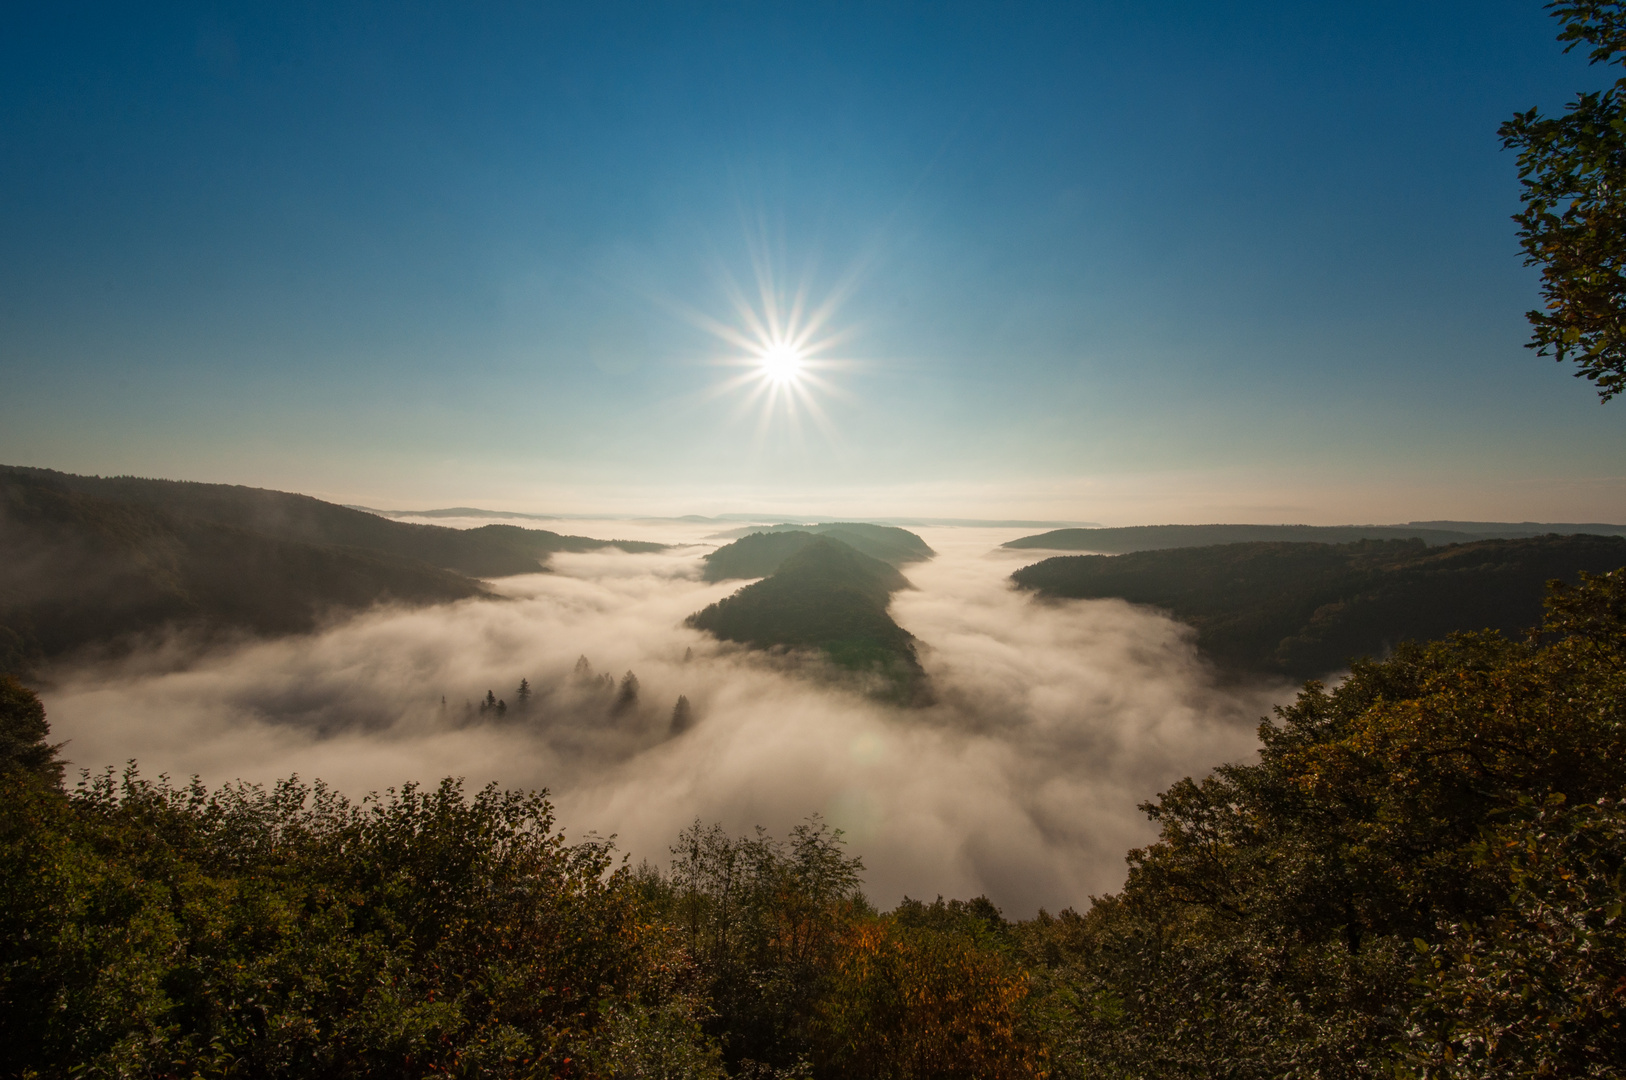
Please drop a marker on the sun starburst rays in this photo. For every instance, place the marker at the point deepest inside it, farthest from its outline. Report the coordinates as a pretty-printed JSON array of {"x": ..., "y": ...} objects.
[{"x": 780, "y": 344}]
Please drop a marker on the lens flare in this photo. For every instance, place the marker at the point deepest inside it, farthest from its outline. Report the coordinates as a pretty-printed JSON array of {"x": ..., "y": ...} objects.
[{"x": 780, "y": 344}]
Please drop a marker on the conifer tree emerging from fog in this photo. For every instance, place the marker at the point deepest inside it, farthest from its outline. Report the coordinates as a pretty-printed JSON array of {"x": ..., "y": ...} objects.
[
  {"x": 682, "y": 715},
  {"x": 626, "y": 697}
]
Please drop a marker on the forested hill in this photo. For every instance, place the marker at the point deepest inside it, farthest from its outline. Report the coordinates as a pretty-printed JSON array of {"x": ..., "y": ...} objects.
[
  {"x": 761, "y": 551},
  {"x": 829, "y": 597},
  {"x": 90, "y": 561},
  {"x": 490, "y": 551},
  {"x": 1303, "y": 610},
  {"x": 1160, "y": 537}
]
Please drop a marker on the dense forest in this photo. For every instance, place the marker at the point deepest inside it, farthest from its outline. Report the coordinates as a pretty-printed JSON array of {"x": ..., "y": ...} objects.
[
  {"x": 88, "y": 561},
  {"x": 1305, "y": 610},
  {"x": 1118, "y": 541},
  {"x": 826, "y": 597},
  {"x": 761, "y": 551},
  {"x": 1420, "y": 877}
]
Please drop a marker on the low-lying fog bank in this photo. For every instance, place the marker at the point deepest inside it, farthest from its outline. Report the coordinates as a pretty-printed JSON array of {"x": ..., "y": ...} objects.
[{"x": 1052, "y": 722}]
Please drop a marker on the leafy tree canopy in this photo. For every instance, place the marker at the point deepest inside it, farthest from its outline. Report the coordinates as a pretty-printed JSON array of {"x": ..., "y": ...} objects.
[
  {"x": 1421, "y": 877},
  {"x": 1573, "y": 225}
]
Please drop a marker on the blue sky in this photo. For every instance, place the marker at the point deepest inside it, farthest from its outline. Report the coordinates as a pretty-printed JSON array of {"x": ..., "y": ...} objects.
[{"x": 1094, "y": 261}]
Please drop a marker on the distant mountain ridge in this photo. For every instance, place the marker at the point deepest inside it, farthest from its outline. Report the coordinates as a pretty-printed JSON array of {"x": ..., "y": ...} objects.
[
  {"x": 901, "y": 523},
  {"x": 1304, "y": 610},
  {"x": 761, "y": 551},
  {"x": 455, "y": 512},
  {"x": 825, "y": 595},
  {"x": 1117, "y": 541},
  {"x": 94, "y": 560}
]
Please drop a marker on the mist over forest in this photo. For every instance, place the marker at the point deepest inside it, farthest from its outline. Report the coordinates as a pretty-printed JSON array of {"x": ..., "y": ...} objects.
[
  {"x": 1050, "y": 724},
  {"x": 1026, "y": 542}
]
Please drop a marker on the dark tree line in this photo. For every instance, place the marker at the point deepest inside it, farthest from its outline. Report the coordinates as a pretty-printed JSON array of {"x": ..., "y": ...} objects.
[{"x": 622, "y": 698}]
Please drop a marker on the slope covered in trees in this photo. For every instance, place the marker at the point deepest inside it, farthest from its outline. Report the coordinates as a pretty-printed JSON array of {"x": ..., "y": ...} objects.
[
  {"x": 90, "y": 561},
  {"x": 1420, "y": 877},
  {"x": 151, "y": 930},
  {"x": 489, "y": 551},
  {"x": 828, "y": 597},
  {"x": 761, "y": 552},
  {"x": 1304, "y": 610},
  {"x": 1118, "y": 541}
]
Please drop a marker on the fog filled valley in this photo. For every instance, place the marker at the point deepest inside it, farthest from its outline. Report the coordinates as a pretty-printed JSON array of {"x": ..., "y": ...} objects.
[
  {"x": 813, "y": 542},
  {"x": 1048, "y": 723},
  {"x": 364, "y": 793}
]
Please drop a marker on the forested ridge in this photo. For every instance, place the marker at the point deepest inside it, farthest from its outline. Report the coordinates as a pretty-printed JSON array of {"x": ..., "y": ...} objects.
[
  {"x": 98, "y": 561},
  {"x": 1420, "y": 877},
  {"x": 1128, "y": 538},
  {"x": 759, "y": 552},
  {"x": 1306, "y": 610},
  {"x": 822, "y": 596}
]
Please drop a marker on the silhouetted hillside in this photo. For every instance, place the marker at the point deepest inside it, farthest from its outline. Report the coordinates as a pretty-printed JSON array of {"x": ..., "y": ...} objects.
[
  {"x": 1304, "y": 610},
  {"x": 1161, "y": 537},
  {"x": 825, "y": 596},
  {"x": 76, "y": 571},
  {"x": 1513, "y": 530},
  {"x": 456, "y": 512},
  {"x": 762, "y": 551},
  {"x": 490, "y": 551},
  {"x": 86, "y": 560}
]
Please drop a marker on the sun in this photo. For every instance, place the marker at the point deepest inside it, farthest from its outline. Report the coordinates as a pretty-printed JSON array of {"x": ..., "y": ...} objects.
[
  {"x": 782, "y": 363},
  {"x": 780, "y": 347}
]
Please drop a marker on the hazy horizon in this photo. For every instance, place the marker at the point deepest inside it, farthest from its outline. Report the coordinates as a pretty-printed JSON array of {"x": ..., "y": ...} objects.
[{"x": 1070, "y": 262}]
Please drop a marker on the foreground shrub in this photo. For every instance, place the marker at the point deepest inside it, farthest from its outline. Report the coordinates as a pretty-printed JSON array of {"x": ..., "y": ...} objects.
[
  {"x": 163, "y": 931},
  {"x": 1421, "y": 876}
]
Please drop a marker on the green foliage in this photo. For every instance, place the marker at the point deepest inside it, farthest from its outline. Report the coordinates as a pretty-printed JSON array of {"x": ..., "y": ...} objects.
[
  {"x": 1573, "y": 171},
  {"x": 23, "y": 731},
  {"x": 763, "y": 920},
  {"x": 805, "y": 979},
  {"x": 762, "y": 552},
  {"x": 639, "y": 1042},
  {"x": 154, "y": 930},
  {"x": 1421, "y": 876},
  {"x": 1303, "y": 610},
  {"x": 915, "y": 1002},
  {"x": 827, "y": 597},
  {"x": 754, "y": 556},
  {"x": 1536, "y": 988},
  {"x": 931, "y": 990}
]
